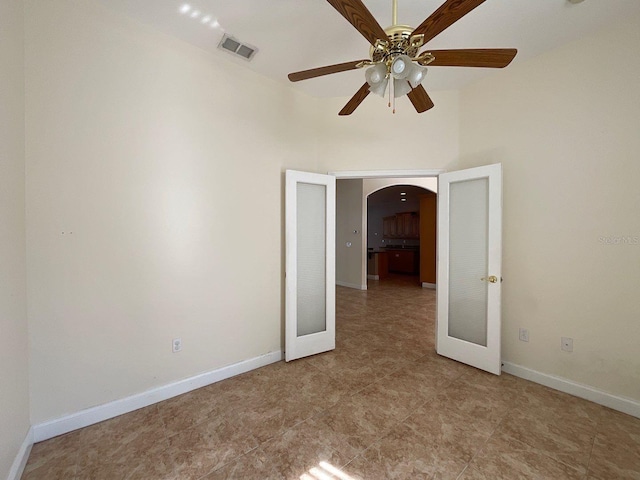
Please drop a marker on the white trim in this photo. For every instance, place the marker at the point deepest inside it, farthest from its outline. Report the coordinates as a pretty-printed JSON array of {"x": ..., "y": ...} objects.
[
  {"x": 373, "y": 277},
  {"x": 17, "y": 468},
  {"x": 621, "y": 404},
  {"x": 387, "y": 173},
  {"x": 84, "y": 418},
  {"x": 351, "y": 285},
  {"x": 428, "y": 285}
]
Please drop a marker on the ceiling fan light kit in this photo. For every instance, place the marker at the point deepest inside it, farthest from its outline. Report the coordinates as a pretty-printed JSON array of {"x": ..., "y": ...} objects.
[{"x": 395, "y": 53}]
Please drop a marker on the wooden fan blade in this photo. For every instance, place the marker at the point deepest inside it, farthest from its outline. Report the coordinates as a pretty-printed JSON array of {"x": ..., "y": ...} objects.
[
  {"x": 449, "y": 13},
  {"x": 356, "y": 100},
  {"x": 357, "y": 15},
  {"x": 481, "y": 57},
  {"x": 420, "y": 99},
  {"x": 320, "y": 71}
]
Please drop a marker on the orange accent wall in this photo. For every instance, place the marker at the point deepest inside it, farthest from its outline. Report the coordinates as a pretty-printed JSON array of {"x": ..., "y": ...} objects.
[{"x": 428, "y": 212}]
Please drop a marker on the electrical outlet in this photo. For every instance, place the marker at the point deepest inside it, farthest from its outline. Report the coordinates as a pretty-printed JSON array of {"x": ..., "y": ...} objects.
[
  {"x": 567, "y": 344},
  {"x": 524, "y": 335},
  {"x": 177, "y": 345}
]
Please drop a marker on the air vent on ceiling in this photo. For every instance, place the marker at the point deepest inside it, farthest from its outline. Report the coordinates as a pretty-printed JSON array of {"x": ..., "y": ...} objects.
[{"x": 232, "y": 45}]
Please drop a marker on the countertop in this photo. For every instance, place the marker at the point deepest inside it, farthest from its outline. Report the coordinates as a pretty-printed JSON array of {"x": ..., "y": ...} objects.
[{"x": 411, "y": 248}]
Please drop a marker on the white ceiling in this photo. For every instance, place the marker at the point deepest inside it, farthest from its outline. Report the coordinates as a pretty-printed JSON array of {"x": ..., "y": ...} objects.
[{"x": 293, "y": 35}]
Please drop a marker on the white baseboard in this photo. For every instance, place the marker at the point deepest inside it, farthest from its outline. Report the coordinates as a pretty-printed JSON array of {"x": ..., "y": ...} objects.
[
  {"x": 373, "y": 277},
  {"x": 351, "y": 285},
  {"x": 428, "y": 285},
  {"x": 625, "y": 405},
  {"x": 22, "y": 456},
  {"x": 90, "y": 416}
]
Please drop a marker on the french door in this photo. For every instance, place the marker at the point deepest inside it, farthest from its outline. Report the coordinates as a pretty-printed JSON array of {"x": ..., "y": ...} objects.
[
  {"x": 310, "y": 219},
  {"x": 469, "y": 266}
]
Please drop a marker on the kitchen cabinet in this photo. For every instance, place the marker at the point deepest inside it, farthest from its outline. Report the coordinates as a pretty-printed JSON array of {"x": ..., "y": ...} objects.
[
  {"x": 389, "y": 227},
  {"x": 403, "y": 261},
  {"x": 401, "y": 225},
  {"x": 378, "y": 265}
]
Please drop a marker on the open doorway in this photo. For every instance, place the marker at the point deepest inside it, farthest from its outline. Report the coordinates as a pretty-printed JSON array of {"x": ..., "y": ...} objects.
[
  {"x": 352, "y": 239},
  {"x": 474, "y": 195},
  {"x": 401, "y": 234}
]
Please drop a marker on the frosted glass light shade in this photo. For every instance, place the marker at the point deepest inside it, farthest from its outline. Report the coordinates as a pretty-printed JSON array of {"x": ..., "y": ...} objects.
[
  {"x": 401, "y": 67},
  {"x": 376, "y": 74},
  {"x": 400, "y": 88},
  {"x": 376, "y": 77},
  {"x": 417, "y": 75},
  {"x": 379, "y": 88}
]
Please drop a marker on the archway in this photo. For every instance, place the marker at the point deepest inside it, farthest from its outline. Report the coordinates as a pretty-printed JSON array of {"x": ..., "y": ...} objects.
[{"x": 400, "y": 229}]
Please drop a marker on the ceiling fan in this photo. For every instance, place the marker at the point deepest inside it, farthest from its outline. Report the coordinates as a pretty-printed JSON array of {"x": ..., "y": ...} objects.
[{"x": 395, "y": 53}]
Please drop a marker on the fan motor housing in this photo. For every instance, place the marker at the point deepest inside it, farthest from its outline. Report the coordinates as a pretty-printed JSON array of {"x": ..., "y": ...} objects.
[{"x": 399, "y": 44}]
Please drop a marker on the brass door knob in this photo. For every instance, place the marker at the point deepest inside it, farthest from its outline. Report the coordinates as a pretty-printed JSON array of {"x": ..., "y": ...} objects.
[{"x": 491, "y": 279}]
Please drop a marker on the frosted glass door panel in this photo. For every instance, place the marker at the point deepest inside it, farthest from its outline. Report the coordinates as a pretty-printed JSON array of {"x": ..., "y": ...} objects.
[
  {"x": 468, "y": 260},
  {"x": 310, "y": 265},
  {"x": 311, "y": 259}
]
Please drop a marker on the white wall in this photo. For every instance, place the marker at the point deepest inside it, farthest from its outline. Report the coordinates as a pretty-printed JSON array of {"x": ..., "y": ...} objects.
[
  {"x": 350, "y": 245},
  {"x": 565, "y": 127},
  {"x": 14, "y": 374},
  {"x": 137, "y": 148},
  {"x": 373, "y": 138}
]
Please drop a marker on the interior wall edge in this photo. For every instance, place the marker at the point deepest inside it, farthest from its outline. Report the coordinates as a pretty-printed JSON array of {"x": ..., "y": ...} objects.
[
  {"x": 20, "y": 462},
  {"x": 84, "y": 418},
  {"x": 351, "y": 285},
  {"x": 621, "y": 404}
]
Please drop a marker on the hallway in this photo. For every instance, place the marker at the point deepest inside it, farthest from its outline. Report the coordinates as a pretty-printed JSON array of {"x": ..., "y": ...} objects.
[{"x": 383, "y": 405}]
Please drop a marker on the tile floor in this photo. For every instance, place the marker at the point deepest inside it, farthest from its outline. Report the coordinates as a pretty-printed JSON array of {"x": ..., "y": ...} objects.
[{"x": 383, "y": 405}]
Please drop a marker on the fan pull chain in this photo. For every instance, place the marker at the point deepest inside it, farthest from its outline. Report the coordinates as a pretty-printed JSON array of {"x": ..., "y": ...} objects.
[{"x": 394, "y": 97}]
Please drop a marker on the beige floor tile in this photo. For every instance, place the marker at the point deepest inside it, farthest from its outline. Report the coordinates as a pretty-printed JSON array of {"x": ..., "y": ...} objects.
[
  {"x": 566, "y": 442},
  {"x": 122, "y": 439},
  {"x": 272, "y": 418},
  {"x": 139, "y": 467},
  {"x": 544, "y": 402},
  {"x": 251, "y": 466},
  {"x": 55, "y": 458},
  {"x": 185, "y": 411},
  {"x": 352, "y": 372},
  {"x": 358, "y": 421},
  {"x": 453, "y": 434},
  {"x": 508, "y": 459},
  {"x": 405, "y": 454},
  {"x": 472, "y": 401},
  {"x": 304, "y": 448},
  {"x": 616, "y": 450},
  {"x": 208, "y": 446},
  {"x": 60, "y": 468}
]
